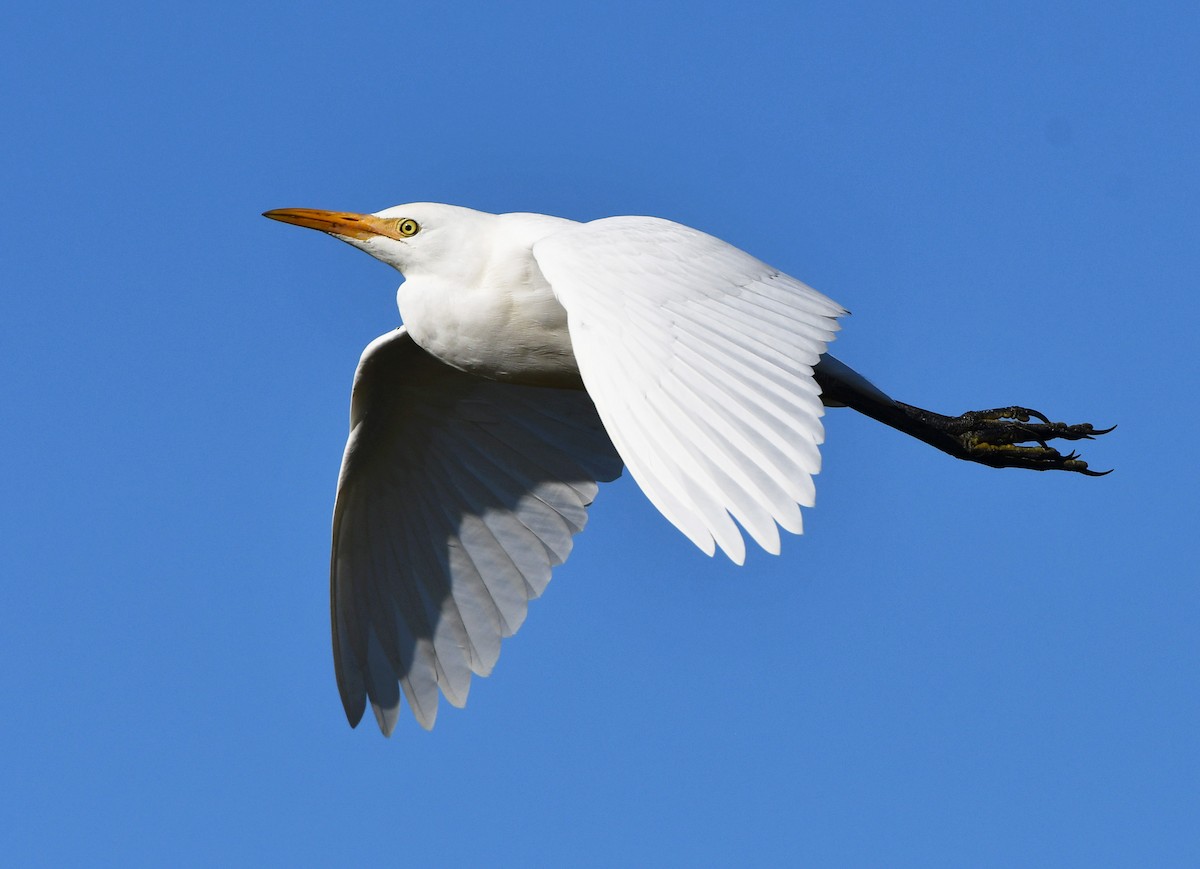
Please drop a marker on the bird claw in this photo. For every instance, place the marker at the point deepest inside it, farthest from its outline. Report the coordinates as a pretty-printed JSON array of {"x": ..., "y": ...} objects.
[{"x": 1001, "y": 438}]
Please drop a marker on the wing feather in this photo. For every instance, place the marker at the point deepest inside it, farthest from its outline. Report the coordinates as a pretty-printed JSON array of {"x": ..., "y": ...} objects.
[
  {"x": 699, "y": 359},
  {"x": 457, "y": 496}
]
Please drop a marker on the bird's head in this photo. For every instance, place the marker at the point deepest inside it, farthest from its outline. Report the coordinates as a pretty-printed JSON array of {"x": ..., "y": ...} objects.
[{"x": 408, "y": 237}]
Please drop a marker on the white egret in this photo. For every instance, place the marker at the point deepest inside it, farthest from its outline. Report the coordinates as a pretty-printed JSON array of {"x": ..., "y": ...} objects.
[{"x": 538, "y": 356}]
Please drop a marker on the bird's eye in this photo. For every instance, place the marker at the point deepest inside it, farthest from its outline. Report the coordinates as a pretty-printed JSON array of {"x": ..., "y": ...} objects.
[{"x": 407, "y": 227}]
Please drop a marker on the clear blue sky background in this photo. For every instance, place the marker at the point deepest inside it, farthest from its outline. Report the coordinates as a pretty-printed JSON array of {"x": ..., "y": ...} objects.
[{"x": 953, "y": 666}]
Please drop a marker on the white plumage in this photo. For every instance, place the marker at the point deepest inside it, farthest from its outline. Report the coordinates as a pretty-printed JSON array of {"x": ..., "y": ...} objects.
[
  {"x": 699, "y": 359},
  {"x": 456, "y": 497},
  {"x": 473, "y": 453}
]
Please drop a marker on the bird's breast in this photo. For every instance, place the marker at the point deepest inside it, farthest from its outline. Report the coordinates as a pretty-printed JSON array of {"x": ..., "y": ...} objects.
[{"x": 506, "y": 327}]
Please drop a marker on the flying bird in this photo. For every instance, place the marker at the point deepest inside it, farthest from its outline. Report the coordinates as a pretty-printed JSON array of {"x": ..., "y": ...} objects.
[{"x": 540, "y": 356}]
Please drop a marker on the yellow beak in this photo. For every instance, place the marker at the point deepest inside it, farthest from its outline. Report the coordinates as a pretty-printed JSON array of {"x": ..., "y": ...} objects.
[{"x": 346, "y": 224}]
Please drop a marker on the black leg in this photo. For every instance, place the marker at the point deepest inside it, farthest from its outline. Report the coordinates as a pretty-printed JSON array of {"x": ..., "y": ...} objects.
[{"x": 1004, "y": 437}]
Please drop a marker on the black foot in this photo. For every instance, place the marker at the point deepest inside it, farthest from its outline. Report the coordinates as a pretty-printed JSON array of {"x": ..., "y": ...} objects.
[{"x": 1005, "y": 438}]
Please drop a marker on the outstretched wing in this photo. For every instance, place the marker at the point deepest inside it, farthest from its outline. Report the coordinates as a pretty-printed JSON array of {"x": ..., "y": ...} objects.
[
  {"x": 699, "y": 359},
  {"x": 457, "y": 496}
]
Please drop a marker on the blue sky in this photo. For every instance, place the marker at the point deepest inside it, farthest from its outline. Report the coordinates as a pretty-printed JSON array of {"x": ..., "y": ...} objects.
[{"x": 953, "y": 666}]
